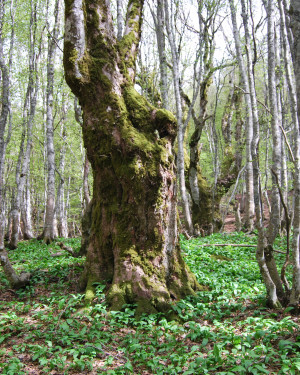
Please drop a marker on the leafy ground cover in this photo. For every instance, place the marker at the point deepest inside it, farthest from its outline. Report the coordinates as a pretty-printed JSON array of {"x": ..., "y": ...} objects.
[{"x": 224, "y": 330}]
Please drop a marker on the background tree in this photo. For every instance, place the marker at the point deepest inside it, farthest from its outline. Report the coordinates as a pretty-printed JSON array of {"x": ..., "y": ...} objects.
[
  {"x": 249, "y": 121},
  {"x": 295, "y": 25},
  {"x": 49, "y": 231},
  {"x": 6, "y": 105},
  {"x": 23, "y": 162}
]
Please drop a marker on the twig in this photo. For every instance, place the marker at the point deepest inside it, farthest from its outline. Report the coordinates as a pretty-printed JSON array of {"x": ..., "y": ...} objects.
[
  {"x": 258, "y": 101},
  {"x": 232, "y": 195},
  {"x": 228, "y": 244},
  {"x": 287, "y": 143}
]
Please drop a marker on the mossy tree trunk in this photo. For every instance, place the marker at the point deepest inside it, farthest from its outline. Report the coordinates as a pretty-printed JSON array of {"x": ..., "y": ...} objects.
[
  {"x": 133, "y": 243},
  {"x": 204, "y": 201}
]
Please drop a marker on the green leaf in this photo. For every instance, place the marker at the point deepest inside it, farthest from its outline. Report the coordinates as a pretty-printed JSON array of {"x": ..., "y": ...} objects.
[
  {"x": 297, "y": 365},
  {"x": 262, "y": 369},
  {"x": 43, "y": 361},
  {"x": 65, "y": 326}
]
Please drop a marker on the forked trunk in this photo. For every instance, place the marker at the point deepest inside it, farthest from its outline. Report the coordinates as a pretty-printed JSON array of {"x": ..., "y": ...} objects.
[{"x": 133, "y": 243}]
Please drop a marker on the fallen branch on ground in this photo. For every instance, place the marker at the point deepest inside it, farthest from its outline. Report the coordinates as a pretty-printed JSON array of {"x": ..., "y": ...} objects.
[
  {"x": 69, "y": 250},
  {"x": 238, "y": 245}
]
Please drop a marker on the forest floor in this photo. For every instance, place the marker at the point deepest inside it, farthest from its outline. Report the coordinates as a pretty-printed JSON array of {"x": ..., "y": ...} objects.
[
  {"x": 229, "y": 222},
  {"x": 45, "y": 329}
]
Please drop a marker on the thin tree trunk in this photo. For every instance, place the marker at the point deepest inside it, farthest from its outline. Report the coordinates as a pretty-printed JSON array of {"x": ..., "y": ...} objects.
[
  {"x": 274, "y": 224},
  {"x": 295, "y": 24},
  {"x": 239, "y": 125},
  {"x": 49, "y": 225},
  {"x": 26, "y": 211},
  {"x": 264, "y": 256},
  {"x": 181, "y": 127},
  {"x": 5, "y": 107},
  {"x": 159, "y": 21},
  {"x": 60, "y": 199},
  {"x": 119, "y": 19},
  {"x": 249, "y": 216},
  {"x": 68, "y": 201},
  {"x": 23, "y": 163}
]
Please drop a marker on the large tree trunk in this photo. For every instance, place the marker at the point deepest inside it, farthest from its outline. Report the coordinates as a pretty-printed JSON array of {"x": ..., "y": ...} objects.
[{"x": 133, "y": 242}]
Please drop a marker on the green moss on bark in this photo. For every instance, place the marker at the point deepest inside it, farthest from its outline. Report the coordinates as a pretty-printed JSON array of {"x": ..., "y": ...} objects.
[{"x": 131, "y": 245}]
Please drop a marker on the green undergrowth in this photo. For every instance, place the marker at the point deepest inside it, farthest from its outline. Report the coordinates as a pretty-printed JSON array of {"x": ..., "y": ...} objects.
[{"x": 45, "y": 327}]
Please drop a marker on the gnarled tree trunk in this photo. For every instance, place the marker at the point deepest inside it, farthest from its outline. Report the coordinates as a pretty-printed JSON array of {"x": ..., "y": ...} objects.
[{"x": 133, "y": 240}]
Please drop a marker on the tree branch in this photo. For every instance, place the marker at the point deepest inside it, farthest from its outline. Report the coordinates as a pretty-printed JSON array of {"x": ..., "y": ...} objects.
[
  {"x": 128, "y": 45},
  {"x": 74, "y": 43},
  {"x": 287, "y": 144}
]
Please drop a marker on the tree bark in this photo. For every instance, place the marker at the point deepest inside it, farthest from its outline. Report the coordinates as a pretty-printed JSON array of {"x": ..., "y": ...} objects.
[
  {"x": 86, "y": 219},
  {"x": 159, "y": 22},
  {"x": 133, "y": 242},
  {"x": 26, "y": 211},
  {"x": 204, "y": 202},
  {"x": 5, "y": 133},
  {"x": 49, "y": 224},
  {"x": 119, "y": 19},
  {"x": 274, "y": 224},
  {"x": 60, "y": 198},
  {"x": 249, "y": 122},
  {"x": 23, "y": 163},
  {"x": 295, "y": 24},
  {"x": 179, "y": 116}
]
